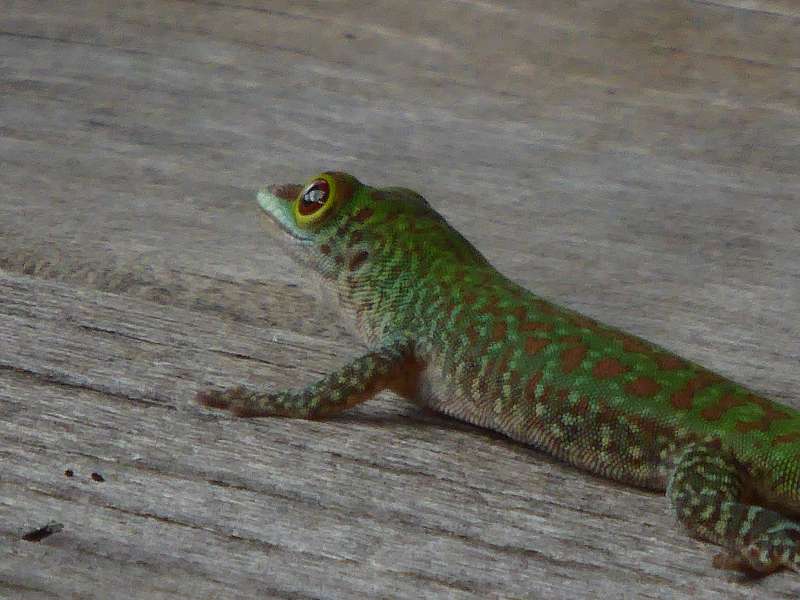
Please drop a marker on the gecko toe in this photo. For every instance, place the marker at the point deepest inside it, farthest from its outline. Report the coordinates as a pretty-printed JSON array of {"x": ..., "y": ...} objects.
[
  {"x": 229, "y": 398},
  {"x": 211, "y": 398}
]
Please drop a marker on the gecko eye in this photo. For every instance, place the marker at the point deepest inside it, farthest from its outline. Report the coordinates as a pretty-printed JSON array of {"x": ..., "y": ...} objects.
[
  {"x": 317, "y": 201},
  {"x": 313, "y": 197}
]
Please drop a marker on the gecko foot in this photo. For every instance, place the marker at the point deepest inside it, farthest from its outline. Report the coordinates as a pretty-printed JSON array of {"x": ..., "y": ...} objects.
[{"x": 763, "y": 556}]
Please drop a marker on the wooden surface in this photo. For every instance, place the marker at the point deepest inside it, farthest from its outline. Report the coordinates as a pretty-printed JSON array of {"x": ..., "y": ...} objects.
[{"x": 637, "y": 161}]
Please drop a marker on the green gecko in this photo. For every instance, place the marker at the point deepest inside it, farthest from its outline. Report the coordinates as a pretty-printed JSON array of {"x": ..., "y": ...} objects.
[{"x": 448, "y": 331}]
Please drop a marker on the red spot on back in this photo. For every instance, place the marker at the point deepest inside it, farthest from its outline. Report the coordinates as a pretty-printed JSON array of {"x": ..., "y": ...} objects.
[
  {"x": 499, "y": 330},
  {"x": 358, "y": 260},
  {"x": 492, "y": 308},
  {"x": 606, "y": 368},
  {"x": 683, "y": 399},
  {"x": 643, "y": 387},
  {"x": 530, "y": 387},
  {"x": 631, "y": 344},
  {"x": 344, "y": 184},
  {"x": 502, "y": 365},
  {"x": 534, "y": 345},
  {"x": 545, "y": 307},
  {"x": 535, "y": 326},
  {"x": 355, "y": 237},
  {"x": 716, "y": 411},
  {"x": 583, "y": 322},
  {"x": 667, "y": 362},
  {"x": 582, "y": 406},
  {"x": 772, "y": 412},
  {"x": 363, "y": 215},
  {"x": 788, "y": 438},
  {"x": 448, "y": 306},
  {"x": 646, "y": 425},
  {"x": 571, "y": 358}
]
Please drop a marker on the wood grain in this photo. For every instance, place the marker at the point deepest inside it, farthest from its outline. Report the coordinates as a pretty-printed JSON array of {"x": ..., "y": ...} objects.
[{"x": 634, "y": 160}]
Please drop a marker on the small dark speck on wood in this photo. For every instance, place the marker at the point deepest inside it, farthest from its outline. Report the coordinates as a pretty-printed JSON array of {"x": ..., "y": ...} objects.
[{"x": 37, "y": 535}]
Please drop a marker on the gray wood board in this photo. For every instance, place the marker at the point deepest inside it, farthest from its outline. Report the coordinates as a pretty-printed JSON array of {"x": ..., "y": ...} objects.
[{"x": 637, "y": 161}]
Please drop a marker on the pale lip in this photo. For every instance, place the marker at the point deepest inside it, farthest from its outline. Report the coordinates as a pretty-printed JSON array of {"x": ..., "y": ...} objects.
[{"x": 276, "y": 201}]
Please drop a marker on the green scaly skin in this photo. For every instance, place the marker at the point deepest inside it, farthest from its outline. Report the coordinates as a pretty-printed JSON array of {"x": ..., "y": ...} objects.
[{"x": 451, "y": 332}]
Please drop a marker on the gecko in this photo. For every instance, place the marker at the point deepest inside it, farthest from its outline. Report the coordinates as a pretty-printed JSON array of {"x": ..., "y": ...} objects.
[{"x": 446, "y": 330}]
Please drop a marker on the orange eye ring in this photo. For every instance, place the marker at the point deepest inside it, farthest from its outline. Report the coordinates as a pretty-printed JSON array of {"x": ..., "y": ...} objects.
[{"x": 315, "y": 200}]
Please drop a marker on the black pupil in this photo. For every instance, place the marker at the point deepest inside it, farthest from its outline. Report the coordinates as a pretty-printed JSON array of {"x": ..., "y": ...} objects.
[{"x": 314, "y": 195}]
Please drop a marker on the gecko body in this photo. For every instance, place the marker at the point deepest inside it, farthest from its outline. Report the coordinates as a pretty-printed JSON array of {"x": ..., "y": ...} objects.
[{"x": 447, "y": 330}]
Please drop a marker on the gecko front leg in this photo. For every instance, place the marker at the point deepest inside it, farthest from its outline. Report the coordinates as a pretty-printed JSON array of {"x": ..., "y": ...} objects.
[{"x": 392, "y": 366}]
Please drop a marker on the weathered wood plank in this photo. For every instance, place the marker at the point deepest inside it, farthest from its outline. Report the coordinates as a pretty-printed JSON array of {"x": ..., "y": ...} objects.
[
  {"x": 636, "y": 160},
  {"x": 96, "y": 382}
]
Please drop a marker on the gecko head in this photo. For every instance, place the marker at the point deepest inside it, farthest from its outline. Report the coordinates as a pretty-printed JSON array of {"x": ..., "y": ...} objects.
[
  {"x": 334, "y": 223},
  {"x": 302, "y": 211},
  {"x": 317, "y": 219}
]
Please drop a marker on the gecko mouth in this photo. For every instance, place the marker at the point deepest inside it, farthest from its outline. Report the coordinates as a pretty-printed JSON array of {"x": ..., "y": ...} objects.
[{"x": 276, "y": 202}]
